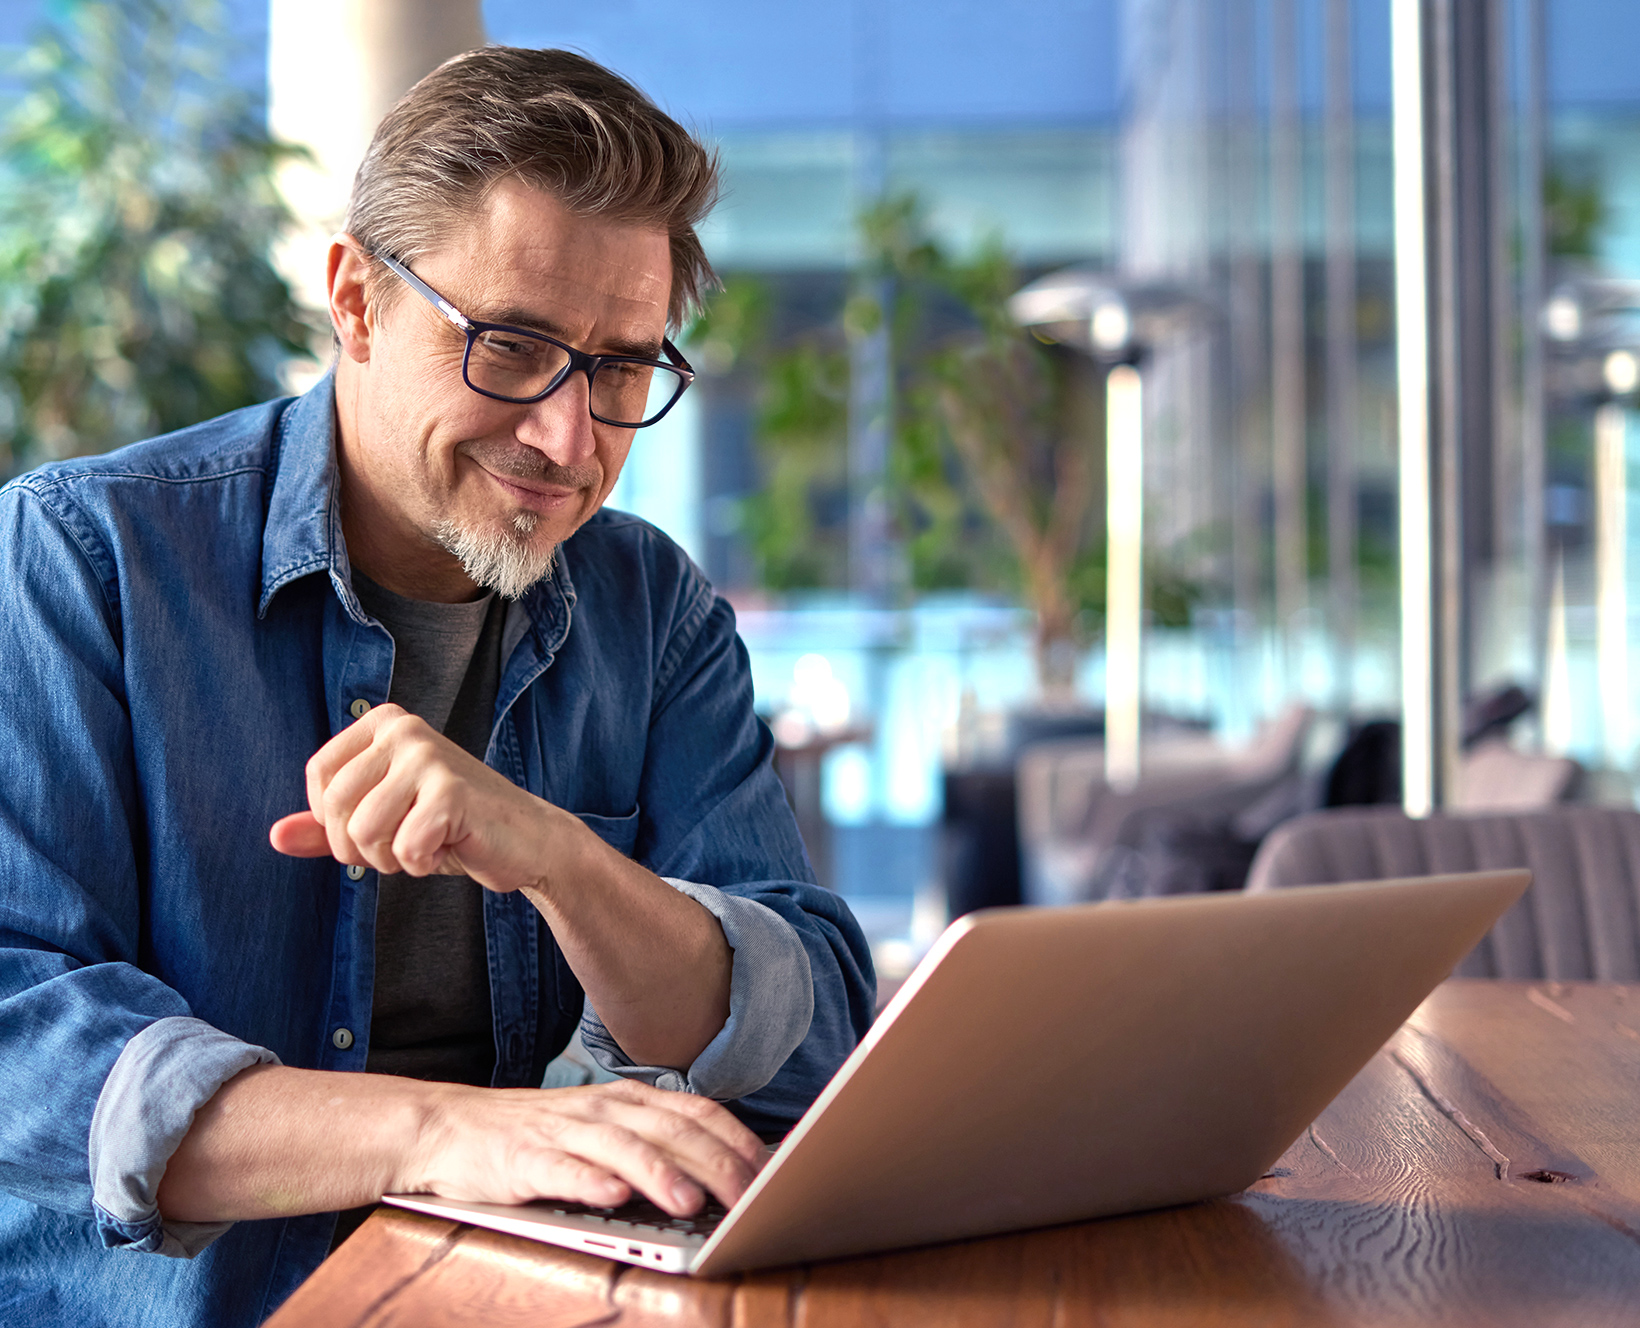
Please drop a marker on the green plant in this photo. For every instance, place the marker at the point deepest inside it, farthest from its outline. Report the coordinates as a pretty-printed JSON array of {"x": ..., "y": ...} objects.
[
  {"x": 802, "y": 415},
  {"x": 989, "y": 439},
  {"x": 994, "y": 469},
  {"x": 137, "y": 208},
  {"x": 799, "y": 391},
  {"x": 1574, "y": 211}
]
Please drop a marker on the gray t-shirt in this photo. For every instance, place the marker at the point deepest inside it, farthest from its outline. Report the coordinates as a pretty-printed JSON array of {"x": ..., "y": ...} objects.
[{"x": 431, "y": 1015}]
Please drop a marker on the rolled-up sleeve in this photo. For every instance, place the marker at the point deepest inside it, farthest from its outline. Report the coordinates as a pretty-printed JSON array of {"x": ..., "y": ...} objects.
[
  {"x": 148, "y": 1102},
  {"x": 771, "y": 1004},
  {"x": 102, "y": 1064}
]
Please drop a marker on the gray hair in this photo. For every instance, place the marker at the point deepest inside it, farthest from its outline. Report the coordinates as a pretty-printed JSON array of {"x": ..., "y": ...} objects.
[{"x": 555, "y": 121}]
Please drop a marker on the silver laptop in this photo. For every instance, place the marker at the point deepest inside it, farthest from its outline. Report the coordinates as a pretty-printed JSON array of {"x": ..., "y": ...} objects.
[{"x": 1050, "y": 1065}]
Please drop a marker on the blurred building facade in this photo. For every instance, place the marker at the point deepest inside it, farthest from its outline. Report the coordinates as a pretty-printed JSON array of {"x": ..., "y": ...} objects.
[{"x": 1238, "y": 151}]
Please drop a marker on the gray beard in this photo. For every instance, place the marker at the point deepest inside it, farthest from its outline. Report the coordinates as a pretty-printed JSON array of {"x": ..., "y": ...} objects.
[{"x": 500, "y": 560}]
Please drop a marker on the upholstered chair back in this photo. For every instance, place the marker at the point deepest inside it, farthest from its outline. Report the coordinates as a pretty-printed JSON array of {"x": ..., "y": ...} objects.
[{"x": 1580, "y": 919}]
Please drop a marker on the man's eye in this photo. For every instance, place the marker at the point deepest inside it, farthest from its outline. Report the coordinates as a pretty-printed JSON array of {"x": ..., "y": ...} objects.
[{"x": 512, "y": 347}]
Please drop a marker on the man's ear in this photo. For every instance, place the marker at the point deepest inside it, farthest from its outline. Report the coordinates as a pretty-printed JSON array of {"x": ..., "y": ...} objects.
[{"x": 348, "y": 271}]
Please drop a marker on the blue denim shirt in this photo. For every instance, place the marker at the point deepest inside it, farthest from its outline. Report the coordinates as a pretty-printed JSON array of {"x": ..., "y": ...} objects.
[{"x": 179, "y": 634}]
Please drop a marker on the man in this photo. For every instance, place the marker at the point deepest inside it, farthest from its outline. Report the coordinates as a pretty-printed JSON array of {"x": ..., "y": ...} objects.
[{"x": 483, "y": 719}]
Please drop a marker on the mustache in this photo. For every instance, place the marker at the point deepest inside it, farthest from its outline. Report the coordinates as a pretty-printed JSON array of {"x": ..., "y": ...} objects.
[{"x": 525, "y": 463}]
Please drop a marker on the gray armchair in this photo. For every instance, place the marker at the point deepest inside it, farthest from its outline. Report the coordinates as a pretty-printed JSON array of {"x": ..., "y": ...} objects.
[
  {"x": 1071, "y": 822},
  {"x": 1580, "y": 919}
]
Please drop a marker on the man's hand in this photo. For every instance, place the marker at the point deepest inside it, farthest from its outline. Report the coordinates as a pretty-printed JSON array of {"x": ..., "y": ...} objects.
[
  {"x": 597, "y": 1145},
  {"x": 391, "y": 793},
  {"x": 277, "y": 1141}
]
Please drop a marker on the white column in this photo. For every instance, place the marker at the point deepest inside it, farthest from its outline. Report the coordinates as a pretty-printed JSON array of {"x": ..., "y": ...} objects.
[
  {"x": 1418, "y": 608},
  {"x": 1611, "y": 540},
  {"x": 1124, "y": 573},
  {"x": 335, "y": 67},
  {"x": 1557, "y": 669}
]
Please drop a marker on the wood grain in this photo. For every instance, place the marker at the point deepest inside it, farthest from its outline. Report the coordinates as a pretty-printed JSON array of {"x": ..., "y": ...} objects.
[
  {"x": 1424, "y": 1192},
  {"x": 1483, "y": 1169},
  {"x": 766, "y": 1300},
  {"x": 1005, "y": 1283},
  {"x": 1579, "y": 1078},
  {"x": 409, "y": 1270}
]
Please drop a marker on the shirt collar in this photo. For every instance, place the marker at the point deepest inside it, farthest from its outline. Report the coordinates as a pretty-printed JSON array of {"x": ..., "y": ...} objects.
[{"x": 304, "y": 527}]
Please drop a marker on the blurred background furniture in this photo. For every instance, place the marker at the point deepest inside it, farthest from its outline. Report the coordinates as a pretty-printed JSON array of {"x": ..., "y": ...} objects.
[
  {"x": 798, "y": 760},
  {"x": 1495, "y": 777},
  {"x": 1197, "y": 818},
  {"x": 1580, "y": 919},
  {"x": 1071, "y": 820},
  {"x": 979, "y": 857}
]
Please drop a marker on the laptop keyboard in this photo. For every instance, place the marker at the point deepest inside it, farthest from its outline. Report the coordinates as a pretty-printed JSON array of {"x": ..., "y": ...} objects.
[{"x": 641, "y": 1215}]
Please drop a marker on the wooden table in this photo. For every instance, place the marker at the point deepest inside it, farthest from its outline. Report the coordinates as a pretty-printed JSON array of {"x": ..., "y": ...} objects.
[{"x": 1484, "y": 1169}]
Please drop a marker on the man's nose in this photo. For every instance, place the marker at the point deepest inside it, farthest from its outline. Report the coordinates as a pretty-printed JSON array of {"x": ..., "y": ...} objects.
[{"x": 560, "y": 426}]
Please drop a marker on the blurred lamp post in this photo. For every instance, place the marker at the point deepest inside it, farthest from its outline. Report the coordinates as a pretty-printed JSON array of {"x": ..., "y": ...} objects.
[
  {"x": 1110, "y": 332},
  {"x": 1621, "y": 372},
  {"x": 1116, "y": 324},
  {"x": 1124, "y": 573}
]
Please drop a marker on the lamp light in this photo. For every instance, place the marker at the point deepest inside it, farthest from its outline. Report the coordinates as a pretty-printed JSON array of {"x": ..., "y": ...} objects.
[
  {"x": 1110, "y": 328},
  {"x": 1621, "y": 370},
  {"x": 1562, "y": 317}
]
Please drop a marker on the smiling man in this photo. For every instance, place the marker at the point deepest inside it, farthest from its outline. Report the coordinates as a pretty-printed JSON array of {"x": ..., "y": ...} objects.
[{"x": 354, "y": 756}]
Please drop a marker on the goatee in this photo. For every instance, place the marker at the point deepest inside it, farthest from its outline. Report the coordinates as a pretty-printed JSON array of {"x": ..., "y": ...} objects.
[{"x": 500, "y": 560}]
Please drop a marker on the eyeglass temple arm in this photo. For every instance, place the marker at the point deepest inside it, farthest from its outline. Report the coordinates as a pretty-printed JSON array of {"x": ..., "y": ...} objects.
[
  {"x": 676, "y": 356},
  {"x": 427, "y": 293}
]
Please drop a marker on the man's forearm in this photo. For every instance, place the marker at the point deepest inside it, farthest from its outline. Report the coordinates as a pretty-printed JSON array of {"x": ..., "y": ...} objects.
[
  {"x": 653, "y": 962},
  {"x": 277, "y": 1141}
]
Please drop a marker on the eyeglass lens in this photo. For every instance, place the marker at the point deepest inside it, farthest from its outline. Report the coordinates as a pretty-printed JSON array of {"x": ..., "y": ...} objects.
[{"x": 520, "y": 368}]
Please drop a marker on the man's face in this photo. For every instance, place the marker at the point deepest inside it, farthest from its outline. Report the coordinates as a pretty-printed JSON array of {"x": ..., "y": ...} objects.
[{"x": 430, "y": 466}]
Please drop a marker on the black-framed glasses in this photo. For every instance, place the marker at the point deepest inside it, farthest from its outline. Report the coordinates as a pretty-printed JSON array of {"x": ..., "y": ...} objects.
[{"x": 510, "y": 364}]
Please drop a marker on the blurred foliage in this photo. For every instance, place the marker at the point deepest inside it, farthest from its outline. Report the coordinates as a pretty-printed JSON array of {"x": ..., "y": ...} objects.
[
  {"x": 137, "y": 208},
  {"x": 996, "y": 457},
  {"x": 802, "y": 434},
  {"x": 800, "y": 430},
  {"x": 1005, "y": 406},
  {"x": 946, "y": 325},
  {"x": 731, "y": 325},
  {"x": 1574, "y": 213}
]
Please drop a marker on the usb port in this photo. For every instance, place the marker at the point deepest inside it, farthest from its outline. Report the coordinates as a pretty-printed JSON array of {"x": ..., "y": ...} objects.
[{"x": 633, "y": 1249}]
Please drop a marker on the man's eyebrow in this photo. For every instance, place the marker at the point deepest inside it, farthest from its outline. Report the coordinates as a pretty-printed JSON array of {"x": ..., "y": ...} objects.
[{"x": 523, "y": 318}]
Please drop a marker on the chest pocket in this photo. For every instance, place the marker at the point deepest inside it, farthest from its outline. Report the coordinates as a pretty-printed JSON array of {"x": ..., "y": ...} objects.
[{"x": 619, "y": 832}]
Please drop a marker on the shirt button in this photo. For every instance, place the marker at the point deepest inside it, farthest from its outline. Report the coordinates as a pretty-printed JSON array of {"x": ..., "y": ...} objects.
[
  {"x": 359, "y": 708},
  {"x": 343, "y": 1038},
  {"x": 355, "y": 873}
]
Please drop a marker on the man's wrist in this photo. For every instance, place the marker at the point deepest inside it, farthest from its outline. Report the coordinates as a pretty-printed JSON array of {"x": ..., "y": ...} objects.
[
  {"x": 426, "y": 1129},
  {"x": 564, "y": 855}
]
